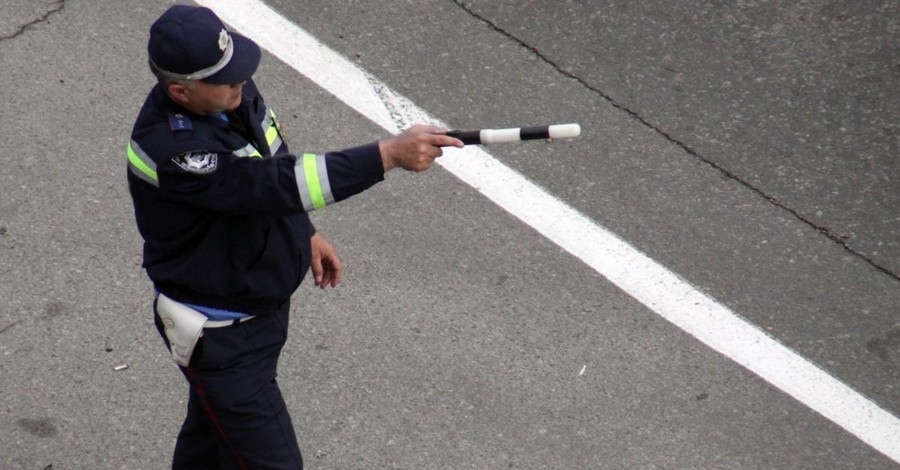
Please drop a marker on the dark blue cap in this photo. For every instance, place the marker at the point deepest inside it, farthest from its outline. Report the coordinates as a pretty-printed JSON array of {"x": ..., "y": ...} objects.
[{"x": 191, "y": 43}]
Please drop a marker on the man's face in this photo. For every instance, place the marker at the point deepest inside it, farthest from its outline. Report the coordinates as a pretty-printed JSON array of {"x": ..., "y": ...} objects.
[{"x": 205, "y": 98}]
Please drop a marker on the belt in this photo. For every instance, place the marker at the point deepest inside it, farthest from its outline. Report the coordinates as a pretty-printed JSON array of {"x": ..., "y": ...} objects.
[{"x": 223, "y": 323}]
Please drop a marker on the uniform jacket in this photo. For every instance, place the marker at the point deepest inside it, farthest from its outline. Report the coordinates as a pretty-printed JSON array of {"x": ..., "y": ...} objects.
[{"x": 222, "y": 206}]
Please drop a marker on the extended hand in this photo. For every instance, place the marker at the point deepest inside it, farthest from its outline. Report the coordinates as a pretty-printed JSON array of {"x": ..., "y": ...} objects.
[{"x": 416, "y": 148}]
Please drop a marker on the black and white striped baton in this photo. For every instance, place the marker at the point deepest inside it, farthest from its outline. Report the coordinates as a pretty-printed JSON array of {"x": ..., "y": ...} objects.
[{"x": 516, "y": 134}]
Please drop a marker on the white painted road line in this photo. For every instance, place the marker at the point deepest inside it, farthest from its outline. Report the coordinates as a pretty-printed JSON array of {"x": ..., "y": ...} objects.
[{"x": 639, "y": 276}]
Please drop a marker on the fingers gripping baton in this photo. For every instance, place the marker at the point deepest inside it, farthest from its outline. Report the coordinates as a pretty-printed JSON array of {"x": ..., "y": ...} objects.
[{"x": 516, "y": 134}]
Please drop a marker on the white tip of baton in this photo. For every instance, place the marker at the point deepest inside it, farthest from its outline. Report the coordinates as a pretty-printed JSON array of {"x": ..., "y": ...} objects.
[{"x": 564, "y": 131}]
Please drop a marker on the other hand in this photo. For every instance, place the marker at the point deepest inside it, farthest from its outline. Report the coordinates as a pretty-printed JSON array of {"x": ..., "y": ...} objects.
[{"x": 325, "y": 263}]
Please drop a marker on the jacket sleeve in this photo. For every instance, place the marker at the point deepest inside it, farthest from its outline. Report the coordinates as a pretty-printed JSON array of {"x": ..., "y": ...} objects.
[{"x": 279, "y": 185}]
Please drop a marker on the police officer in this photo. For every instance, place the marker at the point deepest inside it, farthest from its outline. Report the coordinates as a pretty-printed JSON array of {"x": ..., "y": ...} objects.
[{"x": 222, "y": 207}]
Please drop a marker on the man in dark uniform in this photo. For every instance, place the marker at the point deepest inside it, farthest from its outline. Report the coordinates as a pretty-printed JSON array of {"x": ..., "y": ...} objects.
[{"x": 222, "y": 207}]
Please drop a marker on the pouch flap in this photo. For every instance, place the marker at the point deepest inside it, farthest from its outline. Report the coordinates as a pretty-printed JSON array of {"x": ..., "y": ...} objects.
[{"x": 183, "y": 327}]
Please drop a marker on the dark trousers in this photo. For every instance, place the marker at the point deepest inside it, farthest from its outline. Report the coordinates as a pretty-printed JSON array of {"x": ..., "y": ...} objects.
[{"x": 236, "y": 416}]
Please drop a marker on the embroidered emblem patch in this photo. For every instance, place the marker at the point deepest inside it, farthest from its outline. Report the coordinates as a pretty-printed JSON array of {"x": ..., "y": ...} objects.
[{"x": 200, "y": 163}]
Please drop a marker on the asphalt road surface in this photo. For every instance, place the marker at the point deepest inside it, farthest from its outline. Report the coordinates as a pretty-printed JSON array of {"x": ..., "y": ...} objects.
[{"x": 750, "y": 147}]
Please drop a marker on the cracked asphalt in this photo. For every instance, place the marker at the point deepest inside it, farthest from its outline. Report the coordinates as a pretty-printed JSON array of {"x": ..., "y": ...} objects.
[
  {"x": 879, "y": 242},
  {"x": 751, "y": 147},
  {"x": 19, "y": 15}
]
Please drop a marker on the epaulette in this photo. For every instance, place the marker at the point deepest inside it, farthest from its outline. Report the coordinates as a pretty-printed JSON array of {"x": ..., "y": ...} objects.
[{"x": 179, "y": 122}]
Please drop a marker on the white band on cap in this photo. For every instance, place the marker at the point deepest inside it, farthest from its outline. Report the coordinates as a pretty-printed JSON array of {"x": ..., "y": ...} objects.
[{"x": 203, "y": 73}]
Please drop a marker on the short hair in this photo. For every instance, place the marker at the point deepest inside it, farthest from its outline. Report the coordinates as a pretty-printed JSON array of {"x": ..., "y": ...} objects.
[{"x": 166, "y": 80}]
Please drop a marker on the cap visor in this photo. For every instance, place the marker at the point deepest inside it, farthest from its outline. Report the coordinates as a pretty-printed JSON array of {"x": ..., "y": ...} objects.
[{"x": 243, "y": 63}]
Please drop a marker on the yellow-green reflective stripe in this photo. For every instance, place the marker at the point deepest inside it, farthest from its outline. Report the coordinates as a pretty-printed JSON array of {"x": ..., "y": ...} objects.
[
  {"x": 247, "y": 151},
  {"x": 312, "y": 180},
  {"x": 271, "y": 135},
  {"x": 272, "y": 131},
  {"x": 275, "y": 145},
  {"x": 138, "y": 163},
  {"x": 313, "y": 186}
]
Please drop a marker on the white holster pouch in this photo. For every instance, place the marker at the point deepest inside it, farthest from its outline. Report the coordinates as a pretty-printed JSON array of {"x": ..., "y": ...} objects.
[{"x": 183, "y": 327}]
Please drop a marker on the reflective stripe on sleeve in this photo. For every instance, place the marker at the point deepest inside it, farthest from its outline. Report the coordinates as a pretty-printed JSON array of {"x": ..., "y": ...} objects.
[
  {"x": 273, "y": 134},
  {"x": 141, "y": 165},
  {"x": 273, "y": 139},
  {"x": 312, "y": 181},
  {"x": 247, "y": 151}
]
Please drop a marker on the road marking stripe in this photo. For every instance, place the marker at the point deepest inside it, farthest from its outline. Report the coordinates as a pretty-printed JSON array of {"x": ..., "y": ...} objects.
[{"x": 639, "y": 276}]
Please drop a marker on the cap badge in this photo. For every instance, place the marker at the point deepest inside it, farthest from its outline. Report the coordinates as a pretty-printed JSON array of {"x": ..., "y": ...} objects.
[{"x": 223, "y": 39}]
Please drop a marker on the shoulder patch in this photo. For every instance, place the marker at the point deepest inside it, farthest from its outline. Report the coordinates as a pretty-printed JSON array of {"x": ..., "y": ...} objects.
[
  {"x": 179, "y": 122},
  {"x": 197, "y": 162}
]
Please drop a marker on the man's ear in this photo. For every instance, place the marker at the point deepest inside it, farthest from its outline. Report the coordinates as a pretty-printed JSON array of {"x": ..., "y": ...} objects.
[{"x": 179, "y": 93}]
